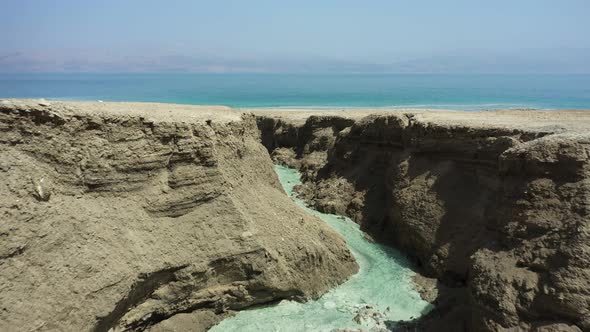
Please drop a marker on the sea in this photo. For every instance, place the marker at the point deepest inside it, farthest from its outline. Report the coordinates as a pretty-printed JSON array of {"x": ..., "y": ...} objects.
[{"x": 313, "y": 91}]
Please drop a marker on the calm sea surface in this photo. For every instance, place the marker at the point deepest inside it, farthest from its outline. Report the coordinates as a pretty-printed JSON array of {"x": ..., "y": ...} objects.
[{"x": 471, "y": 92}]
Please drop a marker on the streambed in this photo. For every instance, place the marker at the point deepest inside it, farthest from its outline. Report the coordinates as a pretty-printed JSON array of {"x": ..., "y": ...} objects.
[{"x": 383, "y": 287}]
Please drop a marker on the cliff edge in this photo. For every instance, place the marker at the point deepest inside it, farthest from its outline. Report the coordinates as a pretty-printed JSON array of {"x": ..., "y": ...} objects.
[
  {"x": 135, "y": 216},
  {"x": 494, "y": 204}
]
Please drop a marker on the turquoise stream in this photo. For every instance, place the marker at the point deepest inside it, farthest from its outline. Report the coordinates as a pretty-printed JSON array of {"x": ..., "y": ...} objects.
[{"x": 383, "y": 282}]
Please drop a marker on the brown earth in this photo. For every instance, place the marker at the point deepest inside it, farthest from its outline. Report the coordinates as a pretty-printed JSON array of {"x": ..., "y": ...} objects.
[
  {"x": 495, "y": 204},
  {"x": 135, "y": 216}
]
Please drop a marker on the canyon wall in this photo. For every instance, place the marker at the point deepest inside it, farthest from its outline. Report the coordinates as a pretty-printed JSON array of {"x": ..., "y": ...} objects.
[
  {"x": 496, "y": 205},
  {"x": 133, "y": 216}
]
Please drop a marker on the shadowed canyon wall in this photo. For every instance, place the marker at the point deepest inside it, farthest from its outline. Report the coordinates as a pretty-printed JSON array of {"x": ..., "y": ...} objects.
[{"x": 499, "y": 213}]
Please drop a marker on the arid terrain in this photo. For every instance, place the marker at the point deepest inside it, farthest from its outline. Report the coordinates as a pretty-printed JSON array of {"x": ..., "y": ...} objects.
[
  {"x": 161, "y": 217},
  {"x": 495, "y": 204},
  {"x": 131, "y": 216}
]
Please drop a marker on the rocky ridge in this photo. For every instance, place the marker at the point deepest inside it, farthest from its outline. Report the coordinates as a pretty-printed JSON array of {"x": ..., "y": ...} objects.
[
  {"x": 495, "y": 205},
  {"x": 137, "y": 216}
]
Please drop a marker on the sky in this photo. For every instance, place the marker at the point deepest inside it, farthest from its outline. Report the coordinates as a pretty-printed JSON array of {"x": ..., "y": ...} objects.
[{"x": 295, "y": 36}]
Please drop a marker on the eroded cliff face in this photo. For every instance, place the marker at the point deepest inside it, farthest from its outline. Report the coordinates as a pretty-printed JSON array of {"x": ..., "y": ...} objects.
[
  {"x": 125, "y": 217},
  {"x": 499, "y": 213}
]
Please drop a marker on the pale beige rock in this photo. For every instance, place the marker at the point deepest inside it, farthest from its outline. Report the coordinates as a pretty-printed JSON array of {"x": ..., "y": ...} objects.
[{"x": 155, "y": 210}]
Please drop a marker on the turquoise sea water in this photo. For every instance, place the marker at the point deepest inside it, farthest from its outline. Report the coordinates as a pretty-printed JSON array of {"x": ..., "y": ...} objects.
[
  {"x": 383, "y": 282},
  {"x": 471, "y": 92}
]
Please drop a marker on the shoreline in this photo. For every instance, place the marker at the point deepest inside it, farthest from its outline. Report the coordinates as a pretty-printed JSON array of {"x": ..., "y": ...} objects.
[
  {"x": 559, "y": 121},
  {"x": 485, "y": 107}
]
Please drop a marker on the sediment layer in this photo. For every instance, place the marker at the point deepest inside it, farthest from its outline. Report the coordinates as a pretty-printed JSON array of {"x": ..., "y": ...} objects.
[
  {"x": 135, "y": 216},
  {"x": 496, "y": 205}
]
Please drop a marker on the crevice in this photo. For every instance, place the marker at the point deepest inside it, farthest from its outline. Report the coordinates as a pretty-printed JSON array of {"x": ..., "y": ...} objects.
[
  {"x": 142, "y": 289},
  {"x": 451, "y": 197}
]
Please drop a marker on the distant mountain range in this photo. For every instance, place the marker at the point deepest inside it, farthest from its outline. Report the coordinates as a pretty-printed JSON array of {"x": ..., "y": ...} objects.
[{"x": 536, "y": 61}]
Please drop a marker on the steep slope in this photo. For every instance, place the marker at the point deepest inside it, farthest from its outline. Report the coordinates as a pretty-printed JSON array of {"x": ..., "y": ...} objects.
[
  {"x": 131, "y": 216},
  {"x": 496, "y": 205}
]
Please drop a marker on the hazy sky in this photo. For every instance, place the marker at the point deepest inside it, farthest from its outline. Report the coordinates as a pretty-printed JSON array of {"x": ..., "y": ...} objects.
[{"x": 264, "y": 35}]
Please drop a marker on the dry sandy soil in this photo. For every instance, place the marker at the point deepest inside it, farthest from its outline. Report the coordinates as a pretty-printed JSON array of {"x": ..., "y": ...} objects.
[
  {"x": 140, "y": 216},
  {"x": 134, "y": 216},
  {"x": 494, "y": 204}
]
